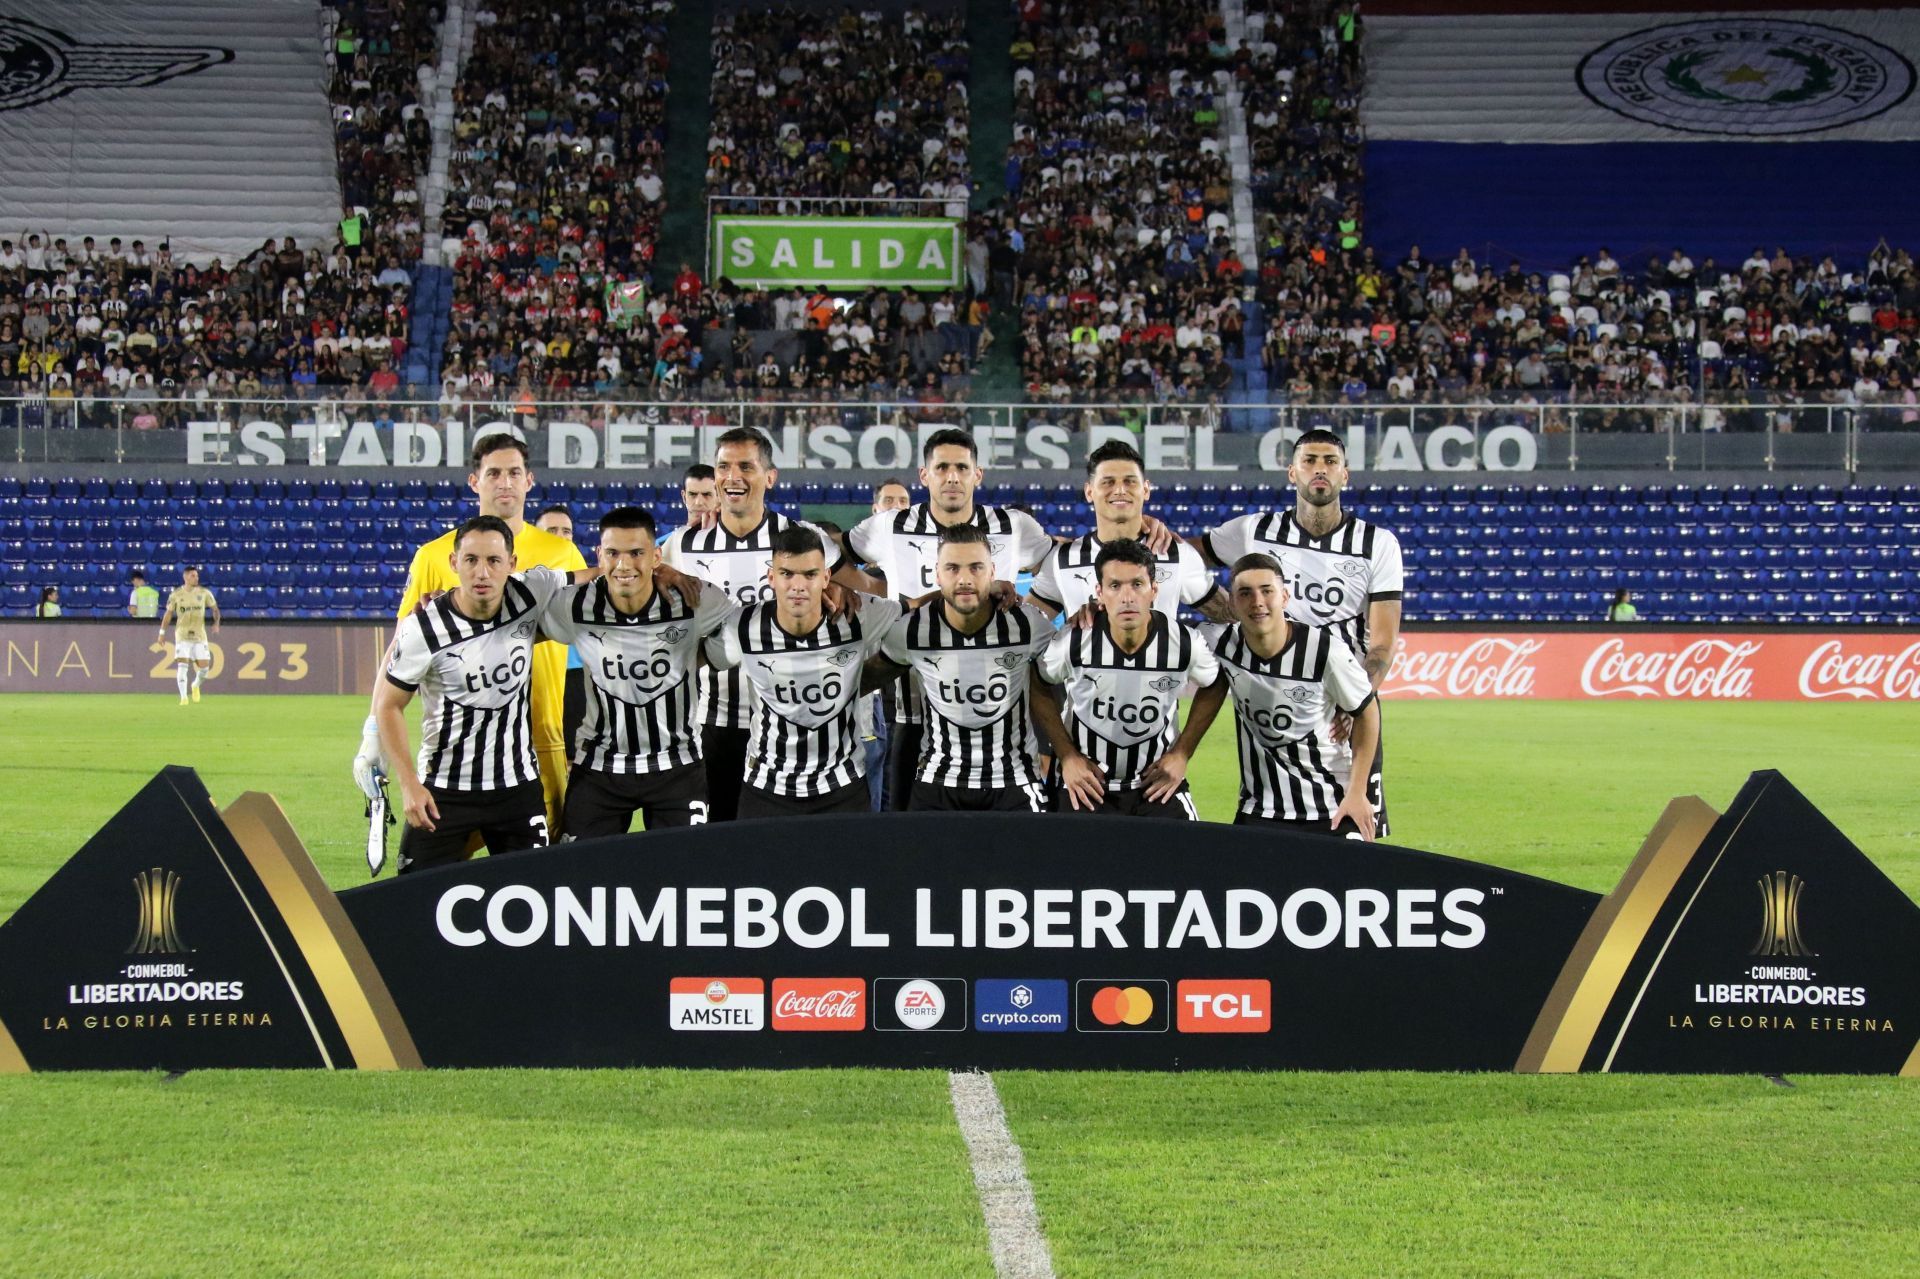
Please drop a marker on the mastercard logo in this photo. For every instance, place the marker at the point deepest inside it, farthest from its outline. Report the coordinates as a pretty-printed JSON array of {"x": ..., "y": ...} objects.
[{"x": 1122, "y": 1006}]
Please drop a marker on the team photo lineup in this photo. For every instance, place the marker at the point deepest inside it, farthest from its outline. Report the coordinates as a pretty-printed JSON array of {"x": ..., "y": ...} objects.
[{"x": 725, "y": 665}]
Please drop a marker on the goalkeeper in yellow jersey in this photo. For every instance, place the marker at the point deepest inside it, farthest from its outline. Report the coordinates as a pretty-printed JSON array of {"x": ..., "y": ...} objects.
[{"x": 501, "y": 477}]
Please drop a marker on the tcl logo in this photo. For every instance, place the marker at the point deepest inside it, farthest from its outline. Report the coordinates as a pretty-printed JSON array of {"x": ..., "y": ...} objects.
[
  {"x": 1705, "y": 668},
  {"x": 819, "y": 1003},
  {"x": 1225, "y": 1007},
  {"x": 1485, "y": 667},
  {"x": 1831, "y": 671}
]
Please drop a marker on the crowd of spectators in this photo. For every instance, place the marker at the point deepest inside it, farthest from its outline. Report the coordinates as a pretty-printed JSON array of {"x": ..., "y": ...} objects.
[
  {"x": 381, "y": 58},
  {"x": 110, "y": 330},
  {"x": 1118, "y": 223},
  {"x": 1733, "y": 338},
  {"x": 556, "y": 196},
  {"x": 859, "y": 112}
]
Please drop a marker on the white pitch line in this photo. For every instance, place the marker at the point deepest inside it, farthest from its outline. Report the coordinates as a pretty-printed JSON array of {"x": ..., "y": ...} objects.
[{"x": 1000, "y": 1178}]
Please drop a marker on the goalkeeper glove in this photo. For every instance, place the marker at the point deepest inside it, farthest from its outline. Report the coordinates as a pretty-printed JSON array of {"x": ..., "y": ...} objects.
[{"x": 368, "y": 768}]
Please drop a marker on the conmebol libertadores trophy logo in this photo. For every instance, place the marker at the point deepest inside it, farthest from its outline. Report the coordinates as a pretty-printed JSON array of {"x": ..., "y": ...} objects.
[
  {"x": 39, "y": 64},
  {"x": 157, "y": 933},
  {"x": 1780, "y": 916},
  {"x": 1746, "y": 76}
]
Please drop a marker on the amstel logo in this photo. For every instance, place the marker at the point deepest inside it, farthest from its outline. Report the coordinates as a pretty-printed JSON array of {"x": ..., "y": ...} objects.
[
  {"x": 157, "y": 933},
  {"x": 1780, "y": 916}
]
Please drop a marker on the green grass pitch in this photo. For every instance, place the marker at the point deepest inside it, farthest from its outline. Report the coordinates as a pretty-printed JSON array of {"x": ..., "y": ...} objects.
[{"x": 864, "y": 1172}]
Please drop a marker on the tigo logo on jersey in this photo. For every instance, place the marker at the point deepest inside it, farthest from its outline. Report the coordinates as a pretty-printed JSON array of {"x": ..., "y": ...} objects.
[
  {"x": 819, "y": 1003},
  {"x": 1019, "y": 1005},
  {"x": 1121, "y": 1006},
  {"x": 1225, "y": 1007},
  {"x": 919, "y": 1003},
  {"x": 717, "y": 1003}
]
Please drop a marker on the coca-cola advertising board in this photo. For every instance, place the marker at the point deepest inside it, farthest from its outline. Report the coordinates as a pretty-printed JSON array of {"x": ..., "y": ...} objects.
[{"x": 1631, "y": 662}]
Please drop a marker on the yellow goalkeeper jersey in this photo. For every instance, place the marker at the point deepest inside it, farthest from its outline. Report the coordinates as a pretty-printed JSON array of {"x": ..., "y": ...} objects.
[{"x": 432, "y": 570}]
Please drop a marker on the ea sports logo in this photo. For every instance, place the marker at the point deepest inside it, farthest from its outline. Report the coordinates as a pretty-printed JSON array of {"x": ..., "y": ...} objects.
[
  {"x": 919, "y": 1005},
  {"x": 1122, "y": 1005},
  {"x": 1746, "y": 77}
]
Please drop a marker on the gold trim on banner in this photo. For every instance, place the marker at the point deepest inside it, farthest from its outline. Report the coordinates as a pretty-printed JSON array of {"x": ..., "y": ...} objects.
[
  {"x": 12, "y": 1060},
  {"x": 362, "y": 1006},
  {"x": 1591, "y": 977},
  {"x": 1912, "y": 1068}
]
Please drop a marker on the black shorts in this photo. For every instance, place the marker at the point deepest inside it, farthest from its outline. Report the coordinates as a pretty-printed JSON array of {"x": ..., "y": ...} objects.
[
  {"x": 1376, "y": 788},
  {"x": 573, "y": 704},
  {"x": 510, "y": 820},
  {"x": 604, "y": 803},
  {"x": 929, "y": 797},
  {"x": 725, "y": 751},
  {"x": 1305, "y": 825},
  {"x": 903, "y": 760},
  {"x": 1134, "y": 803},
  {"x": 851, "y": 798}
]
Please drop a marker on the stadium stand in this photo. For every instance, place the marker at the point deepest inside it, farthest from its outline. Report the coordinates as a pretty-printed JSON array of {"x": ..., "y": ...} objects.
[
  {"x": 1692, "y": 554},
  {"x": 110, "y": 318},
  {"x": 889, "y": 136},
  {"x": 1119, "y": 191},
  {"x": 555, "y": 193}
]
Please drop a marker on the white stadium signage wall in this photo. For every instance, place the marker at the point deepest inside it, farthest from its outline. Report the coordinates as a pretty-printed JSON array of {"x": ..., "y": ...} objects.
[{"x": 577, "y": 446}]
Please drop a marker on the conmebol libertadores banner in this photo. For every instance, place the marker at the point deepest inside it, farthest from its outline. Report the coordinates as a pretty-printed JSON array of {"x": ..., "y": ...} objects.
[{"x": 182, "y": 937}]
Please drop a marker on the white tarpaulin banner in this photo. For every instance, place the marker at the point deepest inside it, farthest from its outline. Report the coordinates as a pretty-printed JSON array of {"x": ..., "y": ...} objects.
[
  {"x": 206, "y": 124},
  {"x": 1822, "y": 75}
]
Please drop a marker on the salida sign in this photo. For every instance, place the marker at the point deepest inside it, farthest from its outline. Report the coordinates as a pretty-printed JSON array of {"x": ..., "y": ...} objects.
[
  {"x": 1758, "y": 939},
  {"x": 1639, "y": 663}
]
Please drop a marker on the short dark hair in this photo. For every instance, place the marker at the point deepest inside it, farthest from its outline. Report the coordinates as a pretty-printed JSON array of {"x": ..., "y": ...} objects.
[
  {"x": 630, "y": 517},
  {"x": 698, "y": 471},
  {"x": 484, "y": 524},
  {"x": 1321, "y": 435},
  {"x": 138, "y": 575},
  {"x": 1114, "y": 451},
  {"x": 963, "y": 535},
  {"x": 746, "y": 435},
  {"x": 1124, "y": 550},
  {"x": 1256, "y": 562},
  {"x": 555, "y": 507},
  {"x": 796, "y": 539},
  {"x": 892, "y": 481},
  {"x": 487, "y": 445},
  {"x": 954, "y": 436}
]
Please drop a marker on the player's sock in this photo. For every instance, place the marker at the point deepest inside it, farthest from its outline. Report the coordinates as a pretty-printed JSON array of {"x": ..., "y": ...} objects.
[
  {"x": 199, "y": 673},
  {"x": 180, "y": 678}
]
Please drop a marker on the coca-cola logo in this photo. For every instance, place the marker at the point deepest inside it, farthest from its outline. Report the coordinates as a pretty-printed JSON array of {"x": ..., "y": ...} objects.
[
  {"x": 1832, "y": 671},
  {"x": 1487, "y": 666},
  {"x": 1702, "y": 669},
  {"x": 819, "y": 1003}
]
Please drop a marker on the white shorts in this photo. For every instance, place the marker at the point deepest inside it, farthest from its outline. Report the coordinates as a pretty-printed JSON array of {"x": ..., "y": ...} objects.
[{"x": 187, "y": 651}]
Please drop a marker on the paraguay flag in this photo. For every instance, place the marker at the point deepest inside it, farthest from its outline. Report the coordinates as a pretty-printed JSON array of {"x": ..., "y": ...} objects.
[{"x": 1541, "y": 131}]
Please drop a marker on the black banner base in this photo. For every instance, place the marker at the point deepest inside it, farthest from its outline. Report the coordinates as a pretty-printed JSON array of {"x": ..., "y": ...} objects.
[{"x": 181, "y": 937}]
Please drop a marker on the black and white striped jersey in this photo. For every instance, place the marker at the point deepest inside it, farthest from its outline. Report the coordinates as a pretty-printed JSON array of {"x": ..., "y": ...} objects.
[
  {"x": 804, "y": 739},
  {"x": 1283, "y": 707},
  {"x": 738, "y": 566},
  {"x": 1067, "y": 580},
  {"x": 978, "y": 732},
  {"x": 640, "y": 715},
  {"x": 904, "y": 545},
  {"x": 473, "y": 679},
  {"x": 1123, "y": 708},
  {"x": 1332, "y": 579}
]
